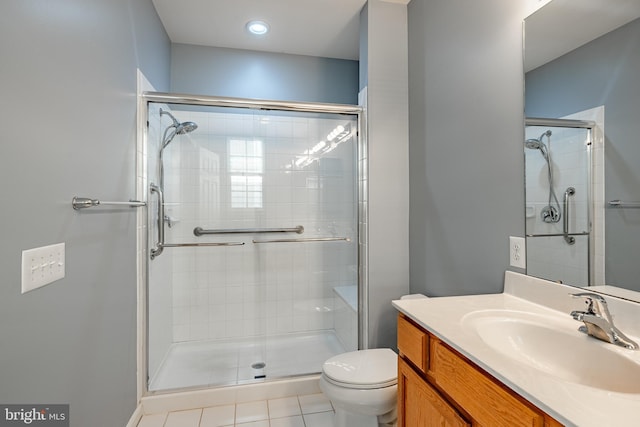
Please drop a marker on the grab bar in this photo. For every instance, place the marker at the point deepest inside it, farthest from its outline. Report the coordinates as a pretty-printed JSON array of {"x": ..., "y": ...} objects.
[
  {"x": 199, "y": 231},
  {"x": 85, "y": 202},
  {"x": 311, "y": 239},
  {"x": 191, "y": 245},
  {"x": 157, "y": 250},
  {"x": 621, "y": 204},
  {"x": 160, "y": 245},
  {"x": 565, "y": 225}
]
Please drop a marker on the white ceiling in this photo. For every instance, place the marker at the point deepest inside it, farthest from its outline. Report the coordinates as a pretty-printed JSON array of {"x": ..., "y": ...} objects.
[
  {"x": 563, "y": 25},
  {"x": 325, "y": 28}
]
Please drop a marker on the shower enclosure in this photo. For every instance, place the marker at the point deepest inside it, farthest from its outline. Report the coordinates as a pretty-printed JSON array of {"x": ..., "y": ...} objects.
[
  {"x": 559, "y": 200},
  {"x": 253, "y": 243}
]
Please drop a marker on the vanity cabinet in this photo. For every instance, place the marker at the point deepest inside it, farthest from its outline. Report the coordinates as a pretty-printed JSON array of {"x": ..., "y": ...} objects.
[{"x": 437, "y": 386}]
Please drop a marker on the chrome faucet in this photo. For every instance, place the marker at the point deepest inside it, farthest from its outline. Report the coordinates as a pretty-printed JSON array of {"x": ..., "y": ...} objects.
[{"x": 598, "y": 321}]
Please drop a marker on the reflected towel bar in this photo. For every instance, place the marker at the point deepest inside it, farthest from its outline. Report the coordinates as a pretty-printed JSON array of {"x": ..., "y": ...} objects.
[
  {"x": 584, "y": 233},
  {"x": 199, "y": 231},
  {"x": 85, "y": 202},
  {"x": 311, "y": 239},
  {"x": 621, "y": 204}
]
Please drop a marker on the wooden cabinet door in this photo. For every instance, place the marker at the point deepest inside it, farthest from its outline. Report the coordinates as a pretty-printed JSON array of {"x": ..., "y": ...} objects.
[
  {"x": 489, "y": 403},
  {"x": 420, "y": 405},
  {"x": 413, "y": 343}
]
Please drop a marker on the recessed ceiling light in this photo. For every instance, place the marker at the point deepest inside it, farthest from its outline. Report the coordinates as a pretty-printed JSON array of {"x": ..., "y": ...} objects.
[{"x": 258, "y": 28}]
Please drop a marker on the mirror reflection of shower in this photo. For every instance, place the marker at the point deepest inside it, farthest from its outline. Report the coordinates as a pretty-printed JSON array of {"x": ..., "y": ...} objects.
[
  {"x": 176, "y": 128},
  {"x": 551, "y": 212}
]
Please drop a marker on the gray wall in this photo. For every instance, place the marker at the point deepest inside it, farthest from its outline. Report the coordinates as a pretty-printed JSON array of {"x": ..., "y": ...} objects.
[
  {"x": 603, "y": 72},
  {"x": 251, "y": 74},
  {"x": 68, "y": 115},
  {"x": 465, "y": 143}
]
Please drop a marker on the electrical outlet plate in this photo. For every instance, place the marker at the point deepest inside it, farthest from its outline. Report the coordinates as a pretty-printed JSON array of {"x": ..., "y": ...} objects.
[
  {"x": 517, "y": 252},
  {"x": 41, "y": 266}
]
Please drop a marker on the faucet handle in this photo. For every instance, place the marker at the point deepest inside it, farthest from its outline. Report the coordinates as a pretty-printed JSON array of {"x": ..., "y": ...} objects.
[{"x": 596, "y": 304}]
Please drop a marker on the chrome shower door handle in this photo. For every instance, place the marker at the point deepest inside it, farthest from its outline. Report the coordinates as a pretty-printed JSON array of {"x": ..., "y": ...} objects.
[
  {"x": 570, "y": 191},
  {"x": 157, "y": 250}
]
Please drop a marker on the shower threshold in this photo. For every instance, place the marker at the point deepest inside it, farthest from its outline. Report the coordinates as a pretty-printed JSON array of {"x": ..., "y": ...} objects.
[{"x": 216, "y": 363}]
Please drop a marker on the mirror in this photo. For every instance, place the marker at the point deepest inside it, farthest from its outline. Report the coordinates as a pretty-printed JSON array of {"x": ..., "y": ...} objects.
[{"x": 582, "y": 63}]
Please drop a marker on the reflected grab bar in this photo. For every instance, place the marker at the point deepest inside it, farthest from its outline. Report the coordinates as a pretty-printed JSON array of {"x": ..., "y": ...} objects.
[
  {"x": 310, "y": 239},
  {"x": 565, "y": 225},
  {"x": 199, "y": 231}
]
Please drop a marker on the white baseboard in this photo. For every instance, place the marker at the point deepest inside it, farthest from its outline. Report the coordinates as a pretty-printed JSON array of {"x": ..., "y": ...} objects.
[
  {"x": 135, "y": 417},
  {"x": 194, "y": 399}
]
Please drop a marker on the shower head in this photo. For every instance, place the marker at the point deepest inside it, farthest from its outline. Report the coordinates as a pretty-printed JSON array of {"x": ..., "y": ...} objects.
[
  {"x": 186, "y": 127},
  {"x": 181, "y": 128},
  {"x": 178, "y": 129}
]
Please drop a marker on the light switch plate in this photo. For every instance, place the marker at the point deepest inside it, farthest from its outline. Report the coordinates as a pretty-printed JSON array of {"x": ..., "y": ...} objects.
[
  {"x": 41, "y": 266},
  {"x": 517, "y": 252}
]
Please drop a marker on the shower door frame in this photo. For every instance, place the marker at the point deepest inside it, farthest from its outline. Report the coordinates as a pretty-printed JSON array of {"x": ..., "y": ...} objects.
[
  {"x": 143, "y": 193},
  {"x": 590, "y": 126}
]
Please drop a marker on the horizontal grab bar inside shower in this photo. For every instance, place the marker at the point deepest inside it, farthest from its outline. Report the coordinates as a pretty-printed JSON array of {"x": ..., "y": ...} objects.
[
  {"x": 85, "y": 202},
  {"x": 193, "y": 245},
  {"x": 310, "y": 239},
  {"x": 199, "y": 231}
]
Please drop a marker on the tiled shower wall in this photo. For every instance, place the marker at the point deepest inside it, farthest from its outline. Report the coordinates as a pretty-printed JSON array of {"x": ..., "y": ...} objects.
[{"x": 258, "y": 289}]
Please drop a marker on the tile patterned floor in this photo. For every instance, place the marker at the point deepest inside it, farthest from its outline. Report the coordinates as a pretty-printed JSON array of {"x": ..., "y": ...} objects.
[{"x": 312, "y": 410}]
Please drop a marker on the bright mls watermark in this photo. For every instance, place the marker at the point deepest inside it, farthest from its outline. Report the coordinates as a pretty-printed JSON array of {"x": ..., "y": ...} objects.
[{"x": 34, "y": 415}]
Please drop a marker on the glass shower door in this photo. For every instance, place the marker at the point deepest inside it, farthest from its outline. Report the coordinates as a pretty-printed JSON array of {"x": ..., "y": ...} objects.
[
  {"x": 558, "y": 199},
  {"x": 275, "y": 195}
]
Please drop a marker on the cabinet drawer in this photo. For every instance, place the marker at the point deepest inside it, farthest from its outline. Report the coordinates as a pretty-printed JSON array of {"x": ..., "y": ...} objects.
[
  {"x": 420, "y": 405},
  {"x": 413, "y": 343},
  {"x": 486, "y": 401}
]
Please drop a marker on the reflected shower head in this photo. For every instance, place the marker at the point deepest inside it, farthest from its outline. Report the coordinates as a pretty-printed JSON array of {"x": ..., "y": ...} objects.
[
  {"x": 537, "y": 144},
  {"x": 533, "y": 144}
]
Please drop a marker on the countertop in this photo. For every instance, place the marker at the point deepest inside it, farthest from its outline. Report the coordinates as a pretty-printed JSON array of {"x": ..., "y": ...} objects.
[{"x": 570, "y": 403}]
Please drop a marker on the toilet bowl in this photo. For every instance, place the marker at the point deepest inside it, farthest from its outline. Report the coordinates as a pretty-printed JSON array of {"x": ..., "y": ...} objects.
[{"x": 362, "y": 386}]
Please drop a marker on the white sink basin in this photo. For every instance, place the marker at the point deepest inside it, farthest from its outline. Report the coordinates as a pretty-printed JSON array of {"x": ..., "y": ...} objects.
[{"x": 555, "y": 346}]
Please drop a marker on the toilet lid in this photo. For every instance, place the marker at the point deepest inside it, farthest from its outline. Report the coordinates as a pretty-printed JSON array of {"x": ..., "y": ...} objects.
[{"x": 374, "y": 368}]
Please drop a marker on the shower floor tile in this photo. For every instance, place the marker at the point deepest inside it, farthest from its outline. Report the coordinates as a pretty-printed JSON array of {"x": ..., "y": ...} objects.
[{"x": 213, "y": 363}]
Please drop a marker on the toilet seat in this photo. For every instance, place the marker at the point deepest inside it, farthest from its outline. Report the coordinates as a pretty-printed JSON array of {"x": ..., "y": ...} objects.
[{"x": 363, "y": 369}]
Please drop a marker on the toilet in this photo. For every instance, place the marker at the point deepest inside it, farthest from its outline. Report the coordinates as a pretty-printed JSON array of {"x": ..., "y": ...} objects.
[{"x": 362, "y": 386}]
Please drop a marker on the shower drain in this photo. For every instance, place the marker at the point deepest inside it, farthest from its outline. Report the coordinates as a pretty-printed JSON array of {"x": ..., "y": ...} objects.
[{"x": 258, "y": 368}]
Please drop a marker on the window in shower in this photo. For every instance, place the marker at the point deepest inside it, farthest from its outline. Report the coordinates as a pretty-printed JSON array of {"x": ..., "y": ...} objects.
[
  {"x": 245, "y": 168},
  {"x": 279, "y": 303}
]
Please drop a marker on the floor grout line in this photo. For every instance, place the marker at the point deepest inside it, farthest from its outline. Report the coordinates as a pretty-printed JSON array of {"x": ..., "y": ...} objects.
[{"x": 302, "y": 415}]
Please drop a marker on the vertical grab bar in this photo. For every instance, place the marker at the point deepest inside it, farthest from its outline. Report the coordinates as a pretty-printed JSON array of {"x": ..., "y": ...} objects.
[
  {"x": 565, "y": 225},
  {"x": 157, "y": 250}
]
